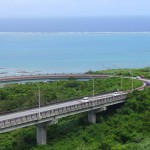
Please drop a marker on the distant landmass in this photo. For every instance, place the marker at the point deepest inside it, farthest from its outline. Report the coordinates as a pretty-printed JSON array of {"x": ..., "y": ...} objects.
[{"x": 76, "y": 24}]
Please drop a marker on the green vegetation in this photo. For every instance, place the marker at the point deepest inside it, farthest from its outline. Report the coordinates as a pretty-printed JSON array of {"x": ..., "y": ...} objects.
[
  {"x": 19, "y": 96},
  {"x": 123, "y": 127},
  {"x": 126, "y": 129},
  {"x": 124, "y": 72}
]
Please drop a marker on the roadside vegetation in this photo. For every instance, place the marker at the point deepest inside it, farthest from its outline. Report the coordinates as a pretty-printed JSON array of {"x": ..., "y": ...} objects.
[
  {"x": 21, "y": 96},
  {"x": 145, "y": 72},
  {"x": 125, "y": 128},
  {"x": 121, "y": 127}
]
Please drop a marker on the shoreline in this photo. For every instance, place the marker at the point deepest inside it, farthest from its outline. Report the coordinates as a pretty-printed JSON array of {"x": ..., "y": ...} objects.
[{"x": 42, "y": 77}]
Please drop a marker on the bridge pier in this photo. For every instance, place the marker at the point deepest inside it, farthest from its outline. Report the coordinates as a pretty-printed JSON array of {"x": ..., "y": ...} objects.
[
  {"x": 41, "y": 134},
  {"x": 92, "y": 114},
  {"x": 41, "y": 131}
]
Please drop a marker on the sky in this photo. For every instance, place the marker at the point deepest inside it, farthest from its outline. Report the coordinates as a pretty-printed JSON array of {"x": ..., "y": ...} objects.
[{"x": 72, "y": 8}]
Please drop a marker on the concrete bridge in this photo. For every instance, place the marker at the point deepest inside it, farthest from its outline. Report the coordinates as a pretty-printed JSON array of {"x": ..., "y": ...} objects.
[{"x": 48, "y": 115}]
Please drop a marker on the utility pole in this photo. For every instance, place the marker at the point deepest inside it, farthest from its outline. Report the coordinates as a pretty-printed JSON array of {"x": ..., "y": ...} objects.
[{"x": 93, "y": 84}]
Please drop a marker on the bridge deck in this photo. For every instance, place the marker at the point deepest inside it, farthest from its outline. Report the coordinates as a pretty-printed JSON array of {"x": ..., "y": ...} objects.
[{"x": 50, "y": 113}]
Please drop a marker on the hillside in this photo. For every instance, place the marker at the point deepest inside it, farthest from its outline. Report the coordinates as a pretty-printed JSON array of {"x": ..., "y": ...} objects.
[{"x": 122, "y": 127}]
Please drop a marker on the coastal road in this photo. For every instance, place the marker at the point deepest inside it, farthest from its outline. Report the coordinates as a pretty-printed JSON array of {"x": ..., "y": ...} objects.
[
  {"x": 50, "y": 76},
  {"x": 54, "y": 106}
]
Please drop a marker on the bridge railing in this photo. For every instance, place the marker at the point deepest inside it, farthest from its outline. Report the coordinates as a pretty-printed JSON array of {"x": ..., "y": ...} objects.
[
  {"x": 48, "y": 103},
  {"x": 60, "y": 111}
]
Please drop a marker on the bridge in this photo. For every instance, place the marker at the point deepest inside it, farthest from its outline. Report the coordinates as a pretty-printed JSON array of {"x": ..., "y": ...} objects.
[
  {"x": 49, "y": 76},
  {"x": 50, "y": 114}
]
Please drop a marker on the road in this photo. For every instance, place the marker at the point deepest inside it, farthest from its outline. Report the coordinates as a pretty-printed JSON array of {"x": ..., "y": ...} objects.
[
  {"x": 59, "y": 105},
  {"x": 54, "y": 106}
]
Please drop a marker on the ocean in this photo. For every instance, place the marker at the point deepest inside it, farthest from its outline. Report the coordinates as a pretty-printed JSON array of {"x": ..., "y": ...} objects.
[{"x": 72, "y": 52}]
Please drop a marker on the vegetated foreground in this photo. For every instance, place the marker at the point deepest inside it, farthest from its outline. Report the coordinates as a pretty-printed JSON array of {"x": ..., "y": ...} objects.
[{"x": 127, "y": 128}]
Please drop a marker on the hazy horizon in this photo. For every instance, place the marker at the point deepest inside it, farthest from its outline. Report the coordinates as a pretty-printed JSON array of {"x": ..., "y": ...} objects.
[{"x": 76, "y": 24}]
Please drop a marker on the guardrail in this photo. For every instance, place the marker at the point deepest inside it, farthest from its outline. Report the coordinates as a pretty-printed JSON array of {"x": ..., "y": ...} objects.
[
  {"x": 48, "y": 103},
  {"x": 62, "y": 111}
]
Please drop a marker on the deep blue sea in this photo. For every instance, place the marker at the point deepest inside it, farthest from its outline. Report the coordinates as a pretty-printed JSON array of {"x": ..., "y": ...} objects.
[{"x": 36, "y": 53}]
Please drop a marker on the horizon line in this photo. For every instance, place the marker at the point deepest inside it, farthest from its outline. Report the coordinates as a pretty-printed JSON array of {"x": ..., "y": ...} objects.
[{"x": 28, "y": 32}]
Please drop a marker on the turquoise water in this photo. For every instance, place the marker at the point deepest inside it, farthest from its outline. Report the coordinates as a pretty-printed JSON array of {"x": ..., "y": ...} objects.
[{"x": 33, "y": 53}]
